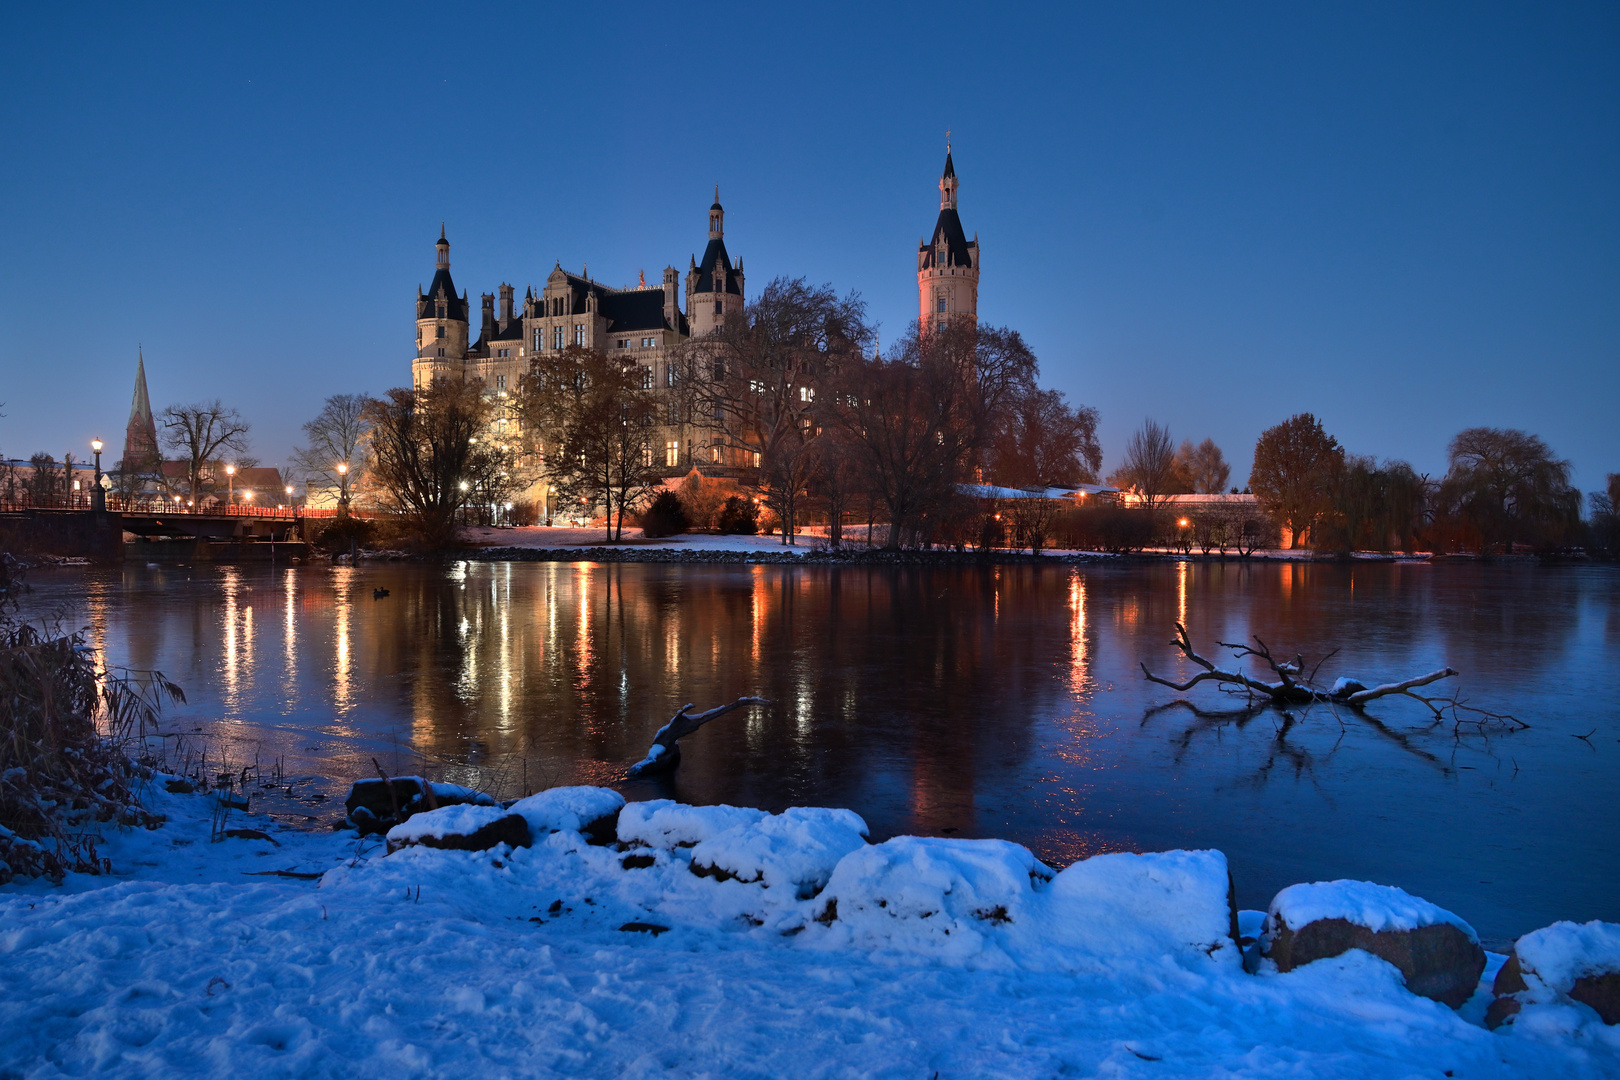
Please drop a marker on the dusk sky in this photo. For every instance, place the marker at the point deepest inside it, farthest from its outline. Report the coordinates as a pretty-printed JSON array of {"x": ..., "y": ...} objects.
[{"x": 1403, "y": 218}]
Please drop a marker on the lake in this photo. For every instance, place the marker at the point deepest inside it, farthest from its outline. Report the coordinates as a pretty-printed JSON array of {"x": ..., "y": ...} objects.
[{"x": 973, "y": 702}]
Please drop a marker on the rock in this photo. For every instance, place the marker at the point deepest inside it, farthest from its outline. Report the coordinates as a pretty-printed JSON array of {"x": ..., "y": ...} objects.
[
  {"x": 1437, "y": 953},
  {"x": 1558, "y": 964},
  {"x": 461, "y": 828},
  {"x": 372, "y": 809},
  {"x": 644, "y": 928},
  {"x": 590, "y": 811},
  {"x": 180, "y": 787},
  {"x": 1602, "y": 993}
]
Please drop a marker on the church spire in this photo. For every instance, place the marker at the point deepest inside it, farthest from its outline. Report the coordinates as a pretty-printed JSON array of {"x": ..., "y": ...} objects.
[
  {"x": 140, "y": 434},
  {"x": 947, "y": 179}
]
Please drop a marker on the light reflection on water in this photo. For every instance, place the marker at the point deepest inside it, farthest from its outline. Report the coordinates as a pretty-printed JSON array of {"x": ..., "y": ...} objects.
[{"x": 998, "y": 702}]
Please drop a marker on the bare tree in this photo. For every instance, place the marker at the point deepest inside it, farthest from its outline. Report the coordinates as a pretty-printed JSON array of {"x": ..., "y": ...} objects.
[
  {"x": 200, "y": 432},
  {"x": 1508, "y": 487},
  {"x": 595, "y": 421},
  {"x": 1202, "y": 468},
  {"x": 916, "y": 424},
  {"x": 1150, "y": 463},
  {"x": 337, "y": 436},
  {"x": 424, "y": 453},
  {"x": 758, "y": 379},
  {"x": 1040, "y": 441}
]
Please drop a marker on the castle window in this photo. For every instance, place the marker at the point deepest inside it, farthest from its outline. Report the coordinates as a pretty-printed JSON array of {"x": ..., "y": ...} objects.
[
  {"x": 756, "y": 459},
  {"x": 624, "y": 343},
  {"x": 441, "y": 332},
  {"x": 537, "y": 333},
  {"x": 557, "y": 338},
  {"x": 418, "y": 337},
  {"x": 670, "y": 376},
  {"x": 647, "y": 342},
  {"x": 579, "y": 334},
  {"x": 714, "y": 453},
  {"x": 674, "y": 415},
  {"x": 941, "y": 305},
  {"x": 646, "y": 457},
  {"x": 646, "y": 377},
  {"x": 718, "y": 308},
  {"x": 672, "y": 453},
  {"x": 500, "y": 382}
]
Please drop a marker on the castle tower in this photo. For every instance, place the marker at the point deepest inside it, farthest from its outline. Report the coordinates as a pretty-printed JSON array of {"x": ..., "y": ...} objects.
[
  {"x": 948, "y": 263},
  {"x": 441, "y": 323},
  {"x": 714, "y": 290},
  {"x": 140, "y": 435}
]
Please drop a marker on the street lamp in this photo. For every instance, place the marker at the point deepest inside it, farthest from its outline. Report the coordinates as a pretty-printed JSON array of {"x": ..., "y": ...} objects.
[
  {"x": 98, "y": 497},
  {"x": 343, "y": 486},
  {"x": 230, "y": 486}
]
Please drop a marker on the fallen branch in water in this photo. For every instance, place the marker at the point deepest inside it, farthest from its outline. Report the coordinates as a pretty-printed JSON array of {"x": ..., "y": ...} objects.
[
  {"x": 1290, "y": 688},
  {"x": 665, "y": 752}
]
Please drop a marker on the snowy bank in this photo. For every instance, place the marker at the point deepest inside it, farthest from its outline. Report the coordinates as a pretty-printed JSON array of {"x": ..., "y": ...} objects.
[{"x": 567, "y": 958}]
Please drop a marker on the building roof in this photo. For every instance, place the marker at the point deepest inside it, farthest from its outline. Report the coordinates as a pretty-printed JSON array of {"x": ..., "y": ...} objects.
[
  {"x": 715, "y": 259},
  {"x": 950, "y": 170},
  {"x": 948, "y": 227}
]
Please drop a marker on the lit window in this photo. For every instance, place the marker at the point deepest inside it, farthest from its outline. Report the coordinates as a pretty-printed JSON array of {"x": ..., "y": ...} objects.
[
  {"x": 756, "y": 459},
  {"x": 500, "y": 382},
  {"x": 670, "y": 377},
  {"x": 646, "y": 457},
  {"x": 672, "y": 453},
  {"x": 714, "y": 453},
  {"x": 646, "y": 377}
]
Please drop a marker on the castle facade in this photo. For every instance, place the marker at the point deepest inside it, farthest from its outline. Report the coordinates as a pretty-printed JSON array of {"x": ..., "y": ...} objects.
[{"x": 644, "y": 324}]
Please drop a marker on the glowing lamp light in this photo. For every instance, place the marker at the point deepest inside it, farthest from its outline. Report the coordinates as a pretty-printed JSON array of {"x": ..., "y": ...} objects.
[
  {"x": 464, "y": 485},
  {"x": 248, "y": 495},
  {"x": 289, "y": 491},
  {"x": 343, "y": 467},
  {"x": 230, "y": 470},
  {"x": 95, "y": 445},
  {"x": 1183, "y": 523}
]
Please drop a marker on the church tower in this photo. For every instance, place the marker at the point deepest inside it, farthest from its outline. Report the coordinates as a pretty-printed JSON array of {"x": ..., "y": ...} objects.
[
  {"x": 140, "y": 435},
  {"x": 714, "y": 291},
  {"x": 948, "y": 263},
  {"x": 441, "y": 324}
]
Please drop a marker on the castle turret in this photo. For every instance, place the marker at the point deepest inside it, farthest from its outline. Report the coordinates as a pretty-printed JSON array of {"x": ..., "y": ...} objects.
[
  {"x": 714, "y": 288},
  {"x": 947, "y": 263},
  {"x": 441, "y": 323}
]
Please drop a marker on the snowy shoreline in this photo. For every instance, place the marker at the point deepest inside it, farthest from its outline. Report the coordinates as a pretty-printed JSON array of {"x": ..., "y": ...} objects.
[{"x": 700, "y": 945}]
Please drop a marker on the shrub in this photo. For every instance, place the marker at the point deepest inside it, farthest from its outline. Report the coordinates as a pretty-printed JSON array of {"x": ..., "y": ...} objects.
[
  {"x": 344, "y": 533},
  {"x": 739, "y": 516},
  {"x": 664, "y": 517}
]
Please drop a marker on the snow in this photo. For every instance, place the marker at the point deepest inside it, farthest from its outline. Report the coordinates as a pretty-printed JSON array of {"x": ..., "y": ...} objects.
[
  {"x": 797, "y": 848},
  {"x": 1377, "y": 907},
  {"x": 666, "y": 824},
  {"x": 433, "y": 962},
  {"x": 1559, "y": 954},
  {"x": 566, "y": 809},
  {"x": 460, "y": 820}
]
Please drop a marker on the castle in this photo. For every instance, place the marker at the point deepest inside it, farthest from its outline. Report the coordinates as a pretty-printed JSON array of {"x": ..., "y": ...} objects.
[{"x": 644, "y": 324}]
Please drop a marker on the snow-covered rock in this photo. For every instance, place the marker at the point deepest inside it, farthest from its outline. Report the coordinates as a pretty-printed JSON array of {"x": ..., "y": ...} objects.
[
  {"x": 466, "y": 827},
  {"x": 931, "y": 895},
  {"x": 372, "y": 808},
  {"x": 590, "y": 810},
  {"x": 1561, "y": 963},
  {"x": 1437, "y": 953},
  {"x": 666, "y": 824},
  {"x": 1177, "y": 904},
  {"x": 796, "y": 849}
]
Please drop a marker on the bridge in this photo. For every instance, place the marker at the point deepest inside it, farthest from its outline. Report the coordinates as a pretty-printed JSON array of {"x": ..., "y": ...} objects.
[{"x": 166, "y": 528}]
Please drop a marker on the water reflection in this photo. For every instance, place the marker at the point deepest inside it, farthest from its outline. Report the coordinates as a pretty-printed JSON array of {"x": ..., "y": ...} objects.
[{"x": 992, "y": 702}]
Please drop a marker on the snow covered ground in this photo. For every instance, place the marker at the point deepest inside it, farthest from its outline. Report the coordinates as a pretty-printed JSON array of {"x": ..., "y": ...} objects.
[{"x": 944, "y": 958}]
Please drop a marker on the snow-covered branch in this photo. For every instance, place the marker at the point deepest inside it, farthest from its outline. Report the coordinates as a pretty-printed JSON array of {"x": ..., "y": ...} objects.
[
  {"x": 665, "y": 753},
  {"x": 1293, "y": 689}
]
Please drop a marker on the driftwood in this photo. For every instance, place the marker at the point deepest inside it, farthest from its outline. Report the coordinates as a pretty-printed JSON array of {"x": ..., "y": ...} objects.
[
  {"x": 1293, "y": 687},
  {"x": 665, "y": 752}
]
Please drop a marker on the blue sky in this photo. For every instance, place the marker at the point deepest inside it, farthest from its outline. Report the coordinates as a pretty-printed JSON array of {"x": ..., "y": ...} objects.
[{"x": 1403, "y": 218}]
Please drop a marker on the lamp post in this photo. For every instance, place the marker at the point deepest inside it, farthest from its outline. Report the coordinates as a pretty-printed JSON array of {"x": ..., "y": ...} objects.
[
  {"x": 289, "y": 496},
  {"x": 98, "y": 497},
  {"x": 230, "y": 486},
  {"x": 343, "y": 488}
]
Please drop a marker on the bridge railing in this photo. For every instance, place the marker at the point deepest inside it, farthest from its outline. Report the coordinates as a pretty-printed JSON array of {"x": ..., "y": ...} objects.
[{"x": 80, "y": 500}]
